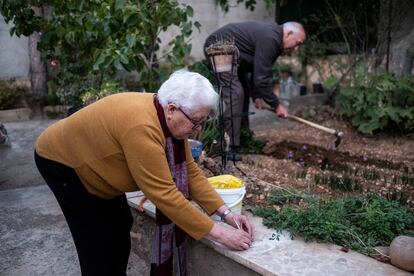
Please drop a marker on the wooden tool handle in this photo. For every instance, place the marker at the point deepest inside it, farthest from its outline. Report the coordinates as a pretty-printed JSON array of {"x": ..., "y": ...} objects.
[{"x": 306, "y": 122}]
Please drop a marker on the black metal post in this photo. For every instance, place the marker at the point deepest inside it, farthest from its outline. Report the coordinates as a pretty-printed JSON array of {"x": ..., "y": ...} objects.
[{"x": 220, "y": 85}]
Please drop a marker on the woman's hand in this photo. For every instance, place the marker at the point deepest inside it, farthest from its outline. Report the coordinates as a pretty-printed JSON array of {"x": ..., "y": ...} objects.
[
  {"x": 240, "y": 222},
  {"x": 235, "y": 239}
]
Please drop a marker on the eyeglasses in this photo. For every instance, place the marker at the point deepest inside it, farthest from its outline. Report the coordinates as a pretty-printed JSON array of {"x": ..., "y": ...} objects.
[{"x": 196, "y": 124}]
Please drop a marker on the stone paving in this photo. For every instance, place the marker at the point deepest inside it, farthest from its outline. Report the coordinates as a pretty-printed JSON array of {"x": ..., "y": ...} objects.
[
  {"x": 34, "y": 236},
  {"x": 17, "y": 167}
]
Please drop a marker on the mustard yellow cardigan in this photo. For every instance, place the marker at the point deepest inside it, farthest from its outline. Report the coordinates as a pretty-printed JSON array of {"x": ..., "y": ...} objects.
[{"x": 116, "y": 145}]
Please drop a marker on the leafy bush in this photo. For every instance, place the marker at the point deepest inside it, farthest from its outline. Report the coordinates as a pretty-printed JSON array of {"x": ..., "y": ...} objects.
[
  {"x": 379, "y": 101},
  {"x": 108, "y": 88},
  {"x": 10, "y": 94},
  {"x": 210, "y": 136},
  {"x": 52, "y": 98},
  {"x": 103, "y": 36},
  {"x": 359, "y": 223}
]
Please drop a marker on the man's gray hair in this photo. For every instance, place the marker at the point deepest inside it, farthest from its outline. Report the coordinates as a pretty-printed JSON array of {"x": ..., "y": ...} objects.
[
  {"x": 295, "y": 27},
  {"x": 189, "y": 91}
]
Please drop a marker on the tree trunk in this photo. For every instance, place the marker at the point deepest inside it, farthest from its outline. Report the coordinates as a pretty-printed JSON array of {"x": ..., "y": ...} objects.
[
  {"x": 38, "y": 72},
  {"x": 396, "y": 36}
]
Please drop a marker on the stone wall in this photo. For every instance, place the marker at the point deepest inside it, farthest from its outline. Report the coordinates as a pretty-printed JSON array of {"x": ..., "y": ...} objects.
[
  {"x": 213, "y": 17},
  {"x": 320, "y": 69},
  {"x": 14, "y": 54},
  {"x": 202, "y": 259}
]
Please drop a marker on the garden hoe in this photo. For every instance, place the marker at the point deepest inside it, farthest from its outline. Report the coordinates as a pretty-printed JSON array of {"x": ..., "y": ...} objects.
[{"x": 338, "y": 134}]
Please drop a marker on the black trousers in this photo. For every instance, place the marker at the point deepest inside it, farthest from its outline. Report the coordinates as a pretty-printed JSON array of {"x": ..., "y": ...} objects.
[{"x": 100, "y": 228}]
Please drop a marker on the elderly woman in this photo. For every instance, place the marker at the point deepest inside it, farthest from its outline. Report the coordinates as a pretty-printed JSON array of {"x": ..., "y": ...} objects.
[{"x": 136, "y": 141}]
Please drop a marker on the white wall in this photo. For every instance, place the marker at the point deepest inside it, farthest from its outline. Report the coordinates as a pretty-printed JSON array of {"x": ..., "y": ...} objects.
[
  {"x": 14, "y": 54},
  {"x": 213, "y": 17}
]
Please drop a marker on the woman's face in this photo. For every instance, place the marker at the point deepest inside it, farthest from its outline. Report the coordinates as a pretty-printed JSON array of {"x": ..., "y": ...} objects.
[{"x": 182, "y": 124}]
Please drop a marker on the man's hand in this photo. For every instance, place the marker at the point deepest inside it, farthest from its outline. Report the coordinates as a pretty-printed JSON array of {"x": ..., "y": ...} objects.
[
  {"x": 281, "y": 111},
  {"x": 258, "y": 103}
]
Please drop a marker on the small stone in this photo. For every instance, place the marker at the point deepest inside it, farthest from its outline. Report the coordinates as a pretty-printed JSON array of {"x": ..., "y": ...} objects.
[
  {"x": 249, "y": 195},
  {"x": 262, "y": 197},
  {"x": 312, "y": 112},
  {"x": 401, "y": 252},
  {"x": 276, "y": 207}
]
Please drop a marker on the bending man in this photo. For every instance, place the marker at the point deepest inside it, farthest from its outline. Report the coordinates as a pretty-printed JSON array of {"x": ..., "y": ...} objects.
[{"x": 259, "y": 45}]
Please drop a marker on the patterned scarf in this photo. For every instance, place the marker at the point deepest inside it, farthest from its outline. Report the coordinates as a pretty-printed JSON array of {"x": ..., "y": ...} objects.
[{"x": 166, "y": 231}]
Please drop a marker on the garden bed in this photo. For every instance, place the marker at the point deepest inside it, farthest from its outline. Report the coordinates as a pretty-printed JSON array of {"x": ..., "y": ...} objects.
[
  {"x": 305, "y": 159},
  {"x": 303, "y": 163}
]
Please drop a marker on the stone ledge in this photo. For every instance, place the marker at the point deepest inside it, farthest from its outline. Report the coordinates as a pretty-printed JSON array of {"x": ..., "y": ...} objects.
[
  {"x": 15, "y": 115},
  {"x": 271, "y": 253}
]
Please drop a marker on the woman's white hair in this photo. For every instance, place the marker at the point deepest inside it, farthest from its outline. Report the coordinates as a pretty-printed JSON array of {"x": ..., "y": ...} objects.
[{"x": 189, "y": 91}]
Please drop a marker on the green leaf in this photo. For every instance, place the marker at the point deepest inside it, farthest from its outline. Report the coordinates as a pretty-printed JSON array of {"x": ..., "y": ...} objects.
[
  {"x": 123, "y": 59},
  {"x": 189, "y": 11},
  {"x": 331, "y": 82},
  {"x": 144, "y": 16},
  {"x": 131, "y": 40},
  {"x": 119, "y": 4},
  {"x": 70, "y": 38},
  {"x": 12, "y": 31},
  {"x": 132, "y": 20},
  {"x": 197, "y": 25},
  {"x": 118, "y": 65},
  {"x": 99, "y": 61}
]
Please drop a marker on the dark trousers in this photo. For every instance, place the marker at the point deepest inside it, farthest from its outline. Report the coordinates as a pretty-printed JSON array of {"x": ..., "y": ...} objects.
[
  {"x": 239, "y": 93},
  {"x": 233, "y": 98},
  {"x": 100, "y": 228}
]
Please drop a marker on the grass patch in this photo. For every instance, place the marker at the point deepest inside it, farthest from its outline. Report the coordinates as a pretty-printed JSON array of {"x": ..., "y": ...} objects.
[{"x": 359, "y": 223}]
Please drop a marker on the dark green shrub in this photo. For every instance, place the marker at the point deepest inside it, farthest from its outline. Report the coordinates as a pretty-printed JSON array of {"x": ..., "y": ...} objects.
[
  {"x": 378, "y": 102},
  {"x": 248, "y": 141},
  {"x": 52, "y": 98},
  {"x": 10, "y": 94},
  {"x": 101, "y": 37}
]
